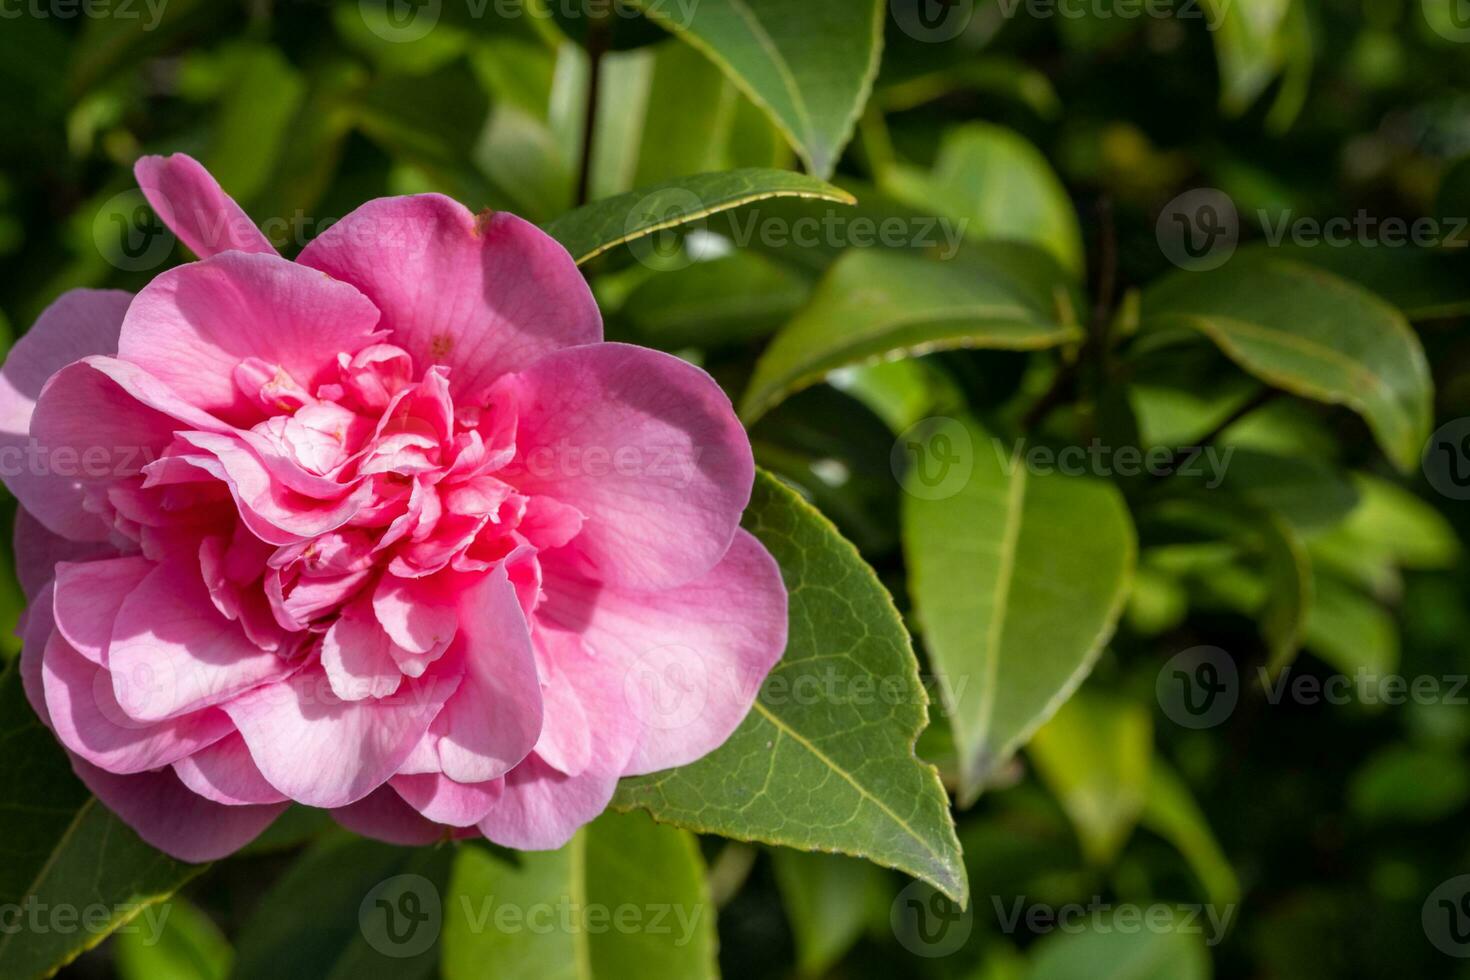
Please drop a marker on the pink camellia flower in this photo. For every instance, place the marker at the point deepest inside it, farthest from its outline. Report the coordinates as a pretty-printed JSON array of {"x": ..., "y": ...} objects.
[{"x": 388, "y": 530}]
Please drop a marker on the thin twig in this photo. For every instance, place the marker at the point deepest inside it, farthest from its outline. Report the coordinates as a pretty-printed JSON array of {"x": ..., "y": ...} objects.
[{"x": 598, "y": 40}]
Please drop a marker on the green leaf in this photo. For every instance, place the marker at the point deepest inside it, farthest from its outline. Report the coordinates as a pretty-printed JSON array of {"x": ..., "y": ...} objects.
[
  {"x": 64, "y": 850},
  {"x": 810, "y": 65},
  {"x": 591, "y": 230},
  {"x": 1424, "y": 283},
  {"x": 1350, "y": 630},
  {"x": 1172, "y": 813},
  {"x": 876, "y": 305},
  {"x": 1094, "y": 756},
  {"x": 1404, "y": 784},
  {"x": 730, "y": 300},
  {"x": 349, "y": 908},
  {"x": 835, "y": 772},
  {"x": 1018, "y": 580},
  {"x": 999, "y": 186},
  {"x": 1116, "y": 951},
  {"x": 829, "y": 901},
  {"x": 1312, "y": 334},
  {"x": 189, "y": 946},
  {"x": 625, "y": 898}
]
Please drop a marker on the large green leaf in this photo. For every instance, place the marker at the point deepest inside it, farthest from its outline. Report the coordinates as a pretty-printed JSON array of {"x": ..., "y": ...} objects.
[
  {"x": 1000, "y": 186},
  {"x": 1095, "y": 757},
  {"x": 810, "y": 65},
  {"x": 625, "y": 898},
  {"x": 1018, "y": 580},
  {"x": 189, "y": 946},
  {"x": 591, "y": 230},
  {"x": 1424, "y": 283},
  {"x": 829, "y": 901},
  {"x": 876, "y": 305},
  {"x": 1315, "y": 335},
  {"x": 825, "y": 759},
  {"x": 349, "y": 908},
  {"x": 1109, "y": 950},
  {"x": 1172, "y": 813},
  {"x": 61, "y": 849}
]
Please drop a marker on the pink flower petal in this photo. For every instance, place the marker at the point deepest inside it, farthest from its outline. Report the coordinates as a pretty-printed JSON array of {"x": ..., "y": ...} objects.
[
  {"x": 193, "y": 325},
  {"x": 36, "y": 627},
  {"x": 38, "y": 551},
  {"x": 691, "y": 660},
  {"x": 225, "y": 773},
  {"x": 541, "y": 808},
  {"x": 172, "y": 818},
  {"x": 355, "y": 655},
  {"x": 87, "y": 719},
  {"x": 415, "y": 613},
  {"x": 494, "y": 719},
  {"x": 383, "y": 815},
  {"x": 326, "y": 752},
  {"x": 79, "y": 323},
  {"x": 88, "y": 596},
  {"x": 647, "y": 447},
  {"x": 482, "y": 296},
  {"x": 445, "y": 801},
  {"x": 173, "y": 653},
  {"x": 566, "y": 737},
  {"x": 191, "y": 203}
]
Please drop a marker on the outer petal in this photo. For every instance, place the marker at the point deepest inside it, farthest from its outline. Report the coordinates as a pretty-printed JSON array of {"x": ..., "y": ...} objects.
[
  {"x": 383, "y": 815},
  {"x": 193, "y": 206},
  {"x": 36, "y": 628},
  {"x": 442, "y": 800},
  {"x": 88, "y": 597},
  {"x": 173, "y": 819},
  {"x": 225, "y": 773},
  {"x": 541, "y": 808},
  {"x": 173, "y": 653},
  {"x": 481, "y": 295},
  {"x": 494, "y": 719},
  {"x": 98, "y": 421},
  {"x": 79, "y": 323},
  {"x": 87, "y": 719},
  {"x": 326, "y": 752},
  {"x": 647, "y": 447},
  {"x": 38, "y": 551},
  {"x": 191, "y": 326},
  {"x": 690, "y": 660}
]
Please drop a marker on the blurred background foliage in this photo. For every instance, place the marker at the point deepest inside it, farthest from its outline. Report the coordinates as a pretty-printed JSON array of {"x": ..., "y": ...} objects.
[{"x": 1320, "y": 827}]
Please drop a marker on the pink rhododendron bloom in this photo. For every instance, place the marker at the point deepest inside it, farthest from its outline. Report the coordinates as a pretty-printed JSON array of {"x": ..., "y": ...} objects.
[{"x": 387, "y": 530}]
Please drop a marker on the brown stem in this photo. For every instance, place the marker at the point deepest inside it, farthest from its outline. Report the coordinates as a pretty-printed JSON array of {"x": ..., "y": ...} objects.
[{"x": 599, "y": 38}]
